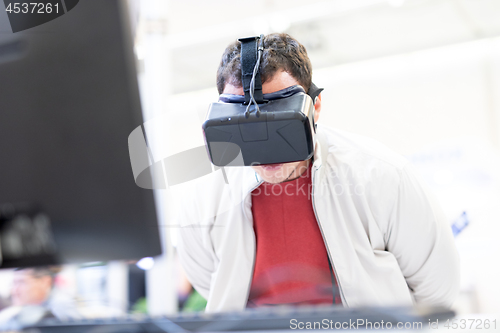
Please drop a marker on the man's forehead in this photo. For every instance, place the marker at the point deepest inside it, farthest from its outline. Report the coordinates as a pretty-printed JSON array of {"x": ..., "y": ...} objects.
[
  {"x": 26, "y": 273},
  {"x": 22, "y": 277},
  {"x": 233, "y": 90}
]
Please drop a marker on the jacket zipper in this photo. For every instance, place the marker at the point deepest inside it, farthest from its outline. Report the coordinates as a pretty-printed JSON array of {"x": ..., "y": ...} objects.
[
  {"x": 342, "y": 297},
  {"x": 254, "y": 248}
]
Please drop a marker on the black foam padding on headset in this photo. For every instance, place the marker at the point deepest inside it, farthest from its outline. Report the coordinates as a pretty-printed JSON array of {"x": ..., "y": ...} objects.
[
  {"x": 313, "y": 92},
  {"x": 283, "y": 93}
]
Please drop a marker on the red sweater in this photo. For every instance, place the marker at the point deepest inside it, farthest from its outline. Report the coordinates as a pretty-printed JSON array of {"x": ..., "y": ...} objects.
[{"x": 291, "y": 264}]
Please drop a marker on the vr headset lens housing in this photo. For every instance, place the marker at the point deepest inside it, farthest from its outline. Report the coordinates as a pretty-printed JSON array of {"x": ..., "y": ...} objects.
[{"x": 279, "y": 128}]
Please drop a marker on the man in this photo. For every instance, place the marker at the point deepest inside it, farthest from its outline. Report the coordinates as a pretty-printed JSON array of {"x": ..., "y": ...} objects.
[
  {"x": 32, "y": 286},
  {"x": 353, "y": 225},
  {"x": 30, "y": 291},
  {"x": 33, "y": 298}
]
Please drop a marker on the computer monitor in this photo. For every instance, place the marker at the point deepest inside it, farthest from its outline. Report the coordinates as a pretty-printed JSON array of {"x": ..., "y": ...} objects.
[{"x": 69, "y": 99}]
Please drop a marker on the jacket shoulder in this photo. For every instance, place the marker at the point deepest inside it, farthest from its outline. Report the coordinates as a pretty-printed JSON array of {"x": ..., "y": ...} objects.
[
  {"x": 358, "y": 150},
  {"x": 366, "y": 169}
]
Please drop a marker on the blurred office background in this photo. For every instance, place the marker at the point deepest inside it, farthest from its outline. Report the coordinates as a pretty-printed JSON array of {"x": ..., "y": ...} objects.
[{"x": 421, "y": 76}]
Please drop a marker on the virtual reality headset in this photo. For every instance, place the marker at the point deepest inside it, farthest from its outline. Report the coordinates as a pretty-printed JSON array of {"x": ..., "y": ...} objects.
[{"x": 260, "y": 129}]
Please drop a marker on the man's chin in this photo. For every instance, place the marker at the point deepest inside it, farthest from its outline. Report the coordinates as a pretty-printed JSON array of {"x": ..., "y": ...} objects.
[
  {"x": 270, "y": 168},
  {"x": 271, "y": 173},
  {"x": 273, "y": 180}
]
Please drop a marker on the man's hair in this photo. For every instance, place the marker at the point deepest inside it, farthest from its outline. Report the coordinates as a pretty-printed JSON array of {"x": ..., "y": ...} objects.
[
  {"x": 281, "y": 53},
  {"x": 41, "y": 271}
]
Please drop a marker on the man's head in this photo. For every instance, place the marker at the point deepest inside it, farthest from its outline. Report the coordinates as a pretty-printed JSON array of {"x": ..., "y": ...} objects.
[
  {"x": 284, "y": 63},
  {"x": 281, "y": 53},
  {"x": 32, "y": 286}
]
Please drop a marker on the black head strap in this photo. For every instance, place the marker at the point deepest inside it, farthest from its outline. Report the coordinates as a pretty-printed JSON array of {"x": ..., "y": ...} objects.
[
  {"x": 314, "y": 91},
  {"x": 249, "y": 54}
]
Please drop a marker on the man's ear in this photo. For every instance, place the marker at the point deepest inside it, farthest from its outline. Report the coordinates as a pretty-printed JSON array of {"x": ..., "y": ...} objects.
[{"x": 317, "y": 108}]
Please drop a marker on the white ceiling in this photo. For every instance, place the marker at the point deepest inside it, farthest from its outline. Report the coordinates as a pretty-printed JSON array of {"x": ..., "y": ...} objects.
[{"x": 333, "y": 31}]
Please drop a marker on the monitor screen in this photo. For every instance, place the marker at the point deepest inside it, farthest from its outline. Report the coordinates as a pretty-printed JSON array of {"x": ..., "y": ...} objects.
[{"x": 68, "y": 101}]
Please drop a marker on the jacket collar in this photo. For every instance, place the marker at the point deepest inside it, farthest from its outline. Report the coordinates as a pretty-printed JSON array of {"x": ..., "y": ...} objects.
[{"x": 320, "y": 153}]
